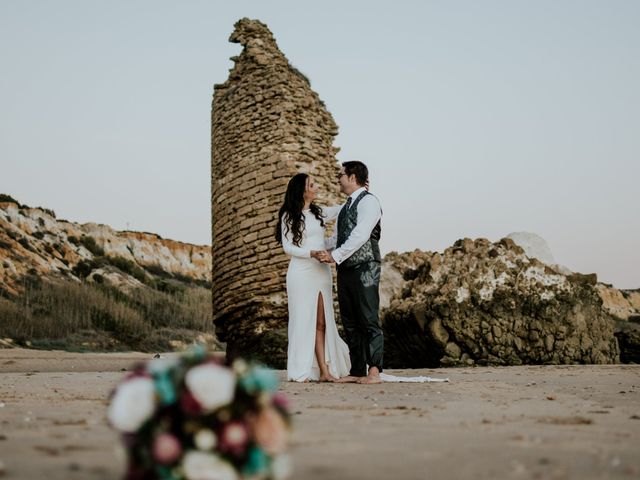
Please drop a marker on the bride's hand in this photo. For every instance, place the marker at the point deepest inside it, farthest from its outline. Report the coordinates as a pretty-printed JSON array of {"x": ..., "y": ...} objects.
[{"x": 320, "y": 255}]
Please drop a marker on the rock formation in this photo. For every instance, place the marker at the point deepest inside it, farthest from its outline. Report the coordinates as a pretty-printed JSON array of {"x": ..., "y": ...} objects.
[
  {"x": 624, "y": 308},
  {"x": 267, "y": 125},
  {"x": 488, "y": 303}
]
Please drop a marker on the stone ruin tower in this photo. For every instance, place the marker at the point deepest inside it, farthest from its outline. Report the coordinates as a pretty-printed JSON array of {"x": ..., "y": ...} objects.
[{"x": 267, "y": 124}]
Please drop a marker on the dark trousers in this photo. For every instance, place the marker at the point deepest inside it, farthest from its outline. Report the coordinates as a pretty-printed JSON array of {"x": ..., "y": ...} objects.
[{"x": 359, "y": 302}]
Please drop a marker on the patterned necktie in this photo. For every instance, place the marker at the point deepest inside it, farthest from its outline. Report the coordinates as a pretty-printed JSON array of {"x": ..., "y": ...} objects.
[{"x": 348, "y": 204}]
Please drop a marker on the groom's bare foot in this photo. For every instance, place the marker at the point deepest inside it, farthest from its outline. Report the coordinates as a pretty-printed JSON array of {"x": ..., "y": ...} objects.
[
  {"x": 348, "y": 379},
  {"x": 370, "y": 379}
]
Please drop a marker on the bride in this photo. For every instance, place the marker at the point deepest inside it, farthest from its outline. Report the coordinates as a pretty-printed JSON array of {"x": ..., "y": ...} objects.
[{"x": 316, "y": 351}]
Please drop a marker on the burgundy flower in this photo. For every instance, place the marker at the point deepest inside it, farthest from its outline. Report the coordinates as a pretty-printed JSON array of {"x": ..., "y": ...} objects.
[{"x": 189, "y": 404}]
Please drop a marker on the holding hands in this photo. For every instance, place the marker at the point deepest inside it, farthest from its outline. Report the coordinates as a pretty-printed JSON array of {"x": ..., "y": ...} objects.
[{"x": 322, "y": 256}]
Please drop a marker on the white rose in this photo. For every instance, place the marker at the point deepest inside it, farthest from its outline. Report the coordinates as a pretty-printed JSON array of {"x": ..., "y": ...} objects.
[
  {"x": 205, "y": 439},
  {"x": 133, "y": 404},
  {"x": 212, "y": 385},
  {"x": 206, "y": 466},
  {"x": 160, "y": 365},
  {"x": 281, "y": 467}
]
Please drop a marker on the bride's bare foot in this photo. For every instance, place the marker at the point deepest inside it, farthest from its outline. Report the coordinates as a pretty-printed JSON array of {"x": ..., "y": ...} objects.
[
  {"x": 348, "y": 379},
  {"x": 327, "y": 378}
]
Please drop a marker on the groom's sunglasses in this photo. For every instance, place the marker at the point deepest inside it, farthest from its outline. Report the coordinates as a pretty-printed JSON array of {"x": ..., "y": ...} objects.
[{"x": 340, "y": 175}]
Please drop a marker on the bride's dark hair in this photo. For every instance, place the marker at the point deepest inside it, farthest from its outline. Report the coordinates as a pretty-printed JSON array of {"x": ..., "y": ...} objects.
[{"x": 292, "y": 207}]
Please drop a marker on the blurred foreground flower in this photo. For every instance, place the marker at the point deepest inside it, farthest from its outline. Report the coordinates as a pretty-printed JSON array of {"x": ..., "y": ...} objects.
[{"x": 195, "y": 418}]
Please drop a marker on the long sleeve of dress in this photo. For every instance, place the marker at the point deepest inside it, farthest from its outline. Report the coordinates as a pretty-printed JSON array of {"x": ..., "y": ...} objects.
[
  {"x": 289, "y": 248},
  {"x": 331, "y": 213}
]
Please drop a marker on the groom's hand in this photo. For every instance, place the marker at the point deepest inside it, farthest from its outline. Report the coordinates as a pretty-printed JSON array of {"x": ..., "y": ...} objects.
[
  {"x": 319, "y": 255},
  {"x": 327, "y": 258}
]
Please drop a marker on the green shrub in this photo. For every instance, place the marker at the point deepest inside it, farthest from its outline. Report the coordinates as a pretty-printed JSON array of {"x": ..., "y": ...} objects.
[
  {"x": 158, "y": 271},
  {"x": 25, "y": 243},
  {"x": 90, "y": 244},
  {"x": 127, "y": 266},
  {"x": 83, "y": 268},
  {"x": 68, "y": 314},
  {"x": 8, "y": 199}
]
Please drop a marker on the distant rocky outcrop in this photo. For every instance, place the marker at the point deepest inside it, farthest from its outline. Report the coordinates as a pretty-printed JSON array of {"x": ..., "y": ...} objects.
[
  {"x": 535, "y": 246},
  {"x": 621, "y": 304},
  {"x": 624, "y": 308},
  {"x": 489, "y": 303}
]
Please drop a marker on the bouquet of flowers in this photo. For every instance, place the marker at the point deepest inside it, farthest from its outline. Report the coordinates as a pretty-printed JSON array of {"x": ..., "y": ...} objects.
[{"x": 195, "y": 418}]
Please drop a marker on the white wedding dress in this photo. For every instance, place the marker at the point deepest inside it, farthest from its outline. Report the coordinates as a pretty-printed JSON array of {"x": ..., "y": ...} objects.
[{"x": 306, "y": 277}]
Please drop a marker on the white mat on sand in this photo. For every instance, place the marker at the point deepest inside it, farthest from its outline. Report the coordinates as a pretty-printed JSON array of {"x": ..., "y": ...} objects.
[{"x": 392, "y": 378}]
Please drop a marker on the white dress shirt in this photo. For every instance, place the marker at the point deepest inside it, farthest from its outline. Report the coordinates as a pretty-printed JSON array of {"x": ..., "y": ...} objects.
[{"x": 369, "y": 214}]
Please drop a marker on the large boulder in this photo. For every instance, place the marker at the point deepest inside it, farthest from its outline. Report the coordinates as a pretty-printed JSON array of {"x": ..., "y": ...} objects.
[
  {"x": 489, "y": 303},
  {"x": 628, "y": 335}
]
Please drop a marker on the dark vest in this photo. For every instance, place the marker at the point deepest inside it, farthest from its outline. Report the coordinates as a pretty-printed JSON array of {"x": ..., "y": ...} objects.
[{"x": 347, "y": 220}]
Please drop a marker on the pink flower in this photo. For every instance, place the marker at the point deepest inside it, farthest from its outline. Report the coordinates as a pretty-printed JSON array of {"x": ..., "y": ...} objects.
[
  {"x": 234, "y": 438},
  {"x": 280, "y": 400},
  {"x": 166, "y": 449},
  {"x": 270, "y": 431}
]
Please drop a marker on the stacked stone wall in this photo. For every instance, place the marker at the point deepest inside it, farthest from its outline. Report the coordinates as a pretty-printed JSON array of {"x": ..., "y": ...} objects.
[{"x": 267, "y": 125}]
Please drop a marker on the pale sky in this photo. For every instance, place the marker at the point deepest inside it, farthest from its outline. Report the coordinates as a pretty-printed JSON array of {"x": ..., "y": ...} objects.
[{"x": 476, "y": 118}]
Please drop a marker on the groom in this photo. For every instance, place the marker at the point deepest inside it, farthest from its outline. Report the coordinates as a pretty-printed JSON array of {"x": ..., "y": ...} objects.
[{"x": 357, "y": 256}]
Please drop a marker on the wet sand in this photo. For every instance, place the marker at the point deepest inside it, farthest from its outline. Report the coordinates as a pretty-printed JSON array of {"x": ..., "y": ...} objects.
[{"x": 529, "y": 422}]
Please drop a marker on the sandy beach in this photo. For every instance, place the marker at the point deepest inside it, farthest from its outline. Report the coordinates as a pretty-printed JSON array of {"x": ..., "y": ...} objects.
[{"x": 529, "y": 422}]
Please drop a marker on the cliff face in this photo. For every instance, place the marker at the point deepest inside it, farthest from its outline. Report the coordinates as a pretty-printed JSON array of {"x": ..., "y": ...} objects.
[
  {"x": 89, "y": 287},
  {"x": 33, "y": 241}
]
